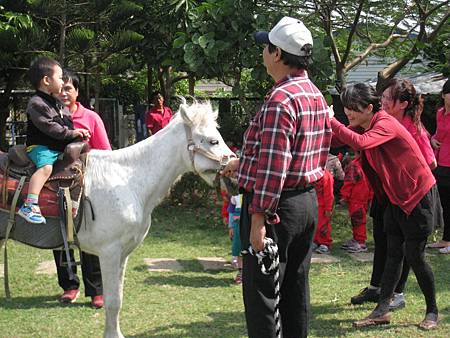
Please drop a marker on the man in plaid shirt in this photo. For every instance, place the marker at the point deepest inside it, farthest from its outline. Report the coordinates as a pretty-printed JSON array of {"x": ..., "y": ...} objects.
[{"x": 284, "y": 152}]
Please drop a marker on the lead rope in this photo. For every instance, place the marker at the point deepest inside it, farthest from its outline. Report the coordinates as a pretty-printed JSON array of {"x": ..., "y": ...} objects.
[{"x": 269, "y": 256}]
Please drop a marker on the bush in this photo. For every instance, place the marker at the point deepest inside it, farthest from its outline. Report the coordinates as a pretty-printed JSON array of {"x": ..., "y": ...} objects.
[{"x": 191, "y": 190}]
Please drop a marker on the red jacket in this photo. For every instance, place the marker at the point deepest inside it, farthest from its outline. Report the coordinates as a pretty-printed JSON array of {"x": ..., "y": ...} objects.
[
  {"x": 356, "y": 188},
  {"x": 324, "y": 190},
  {"x": 394, "y": 156}
]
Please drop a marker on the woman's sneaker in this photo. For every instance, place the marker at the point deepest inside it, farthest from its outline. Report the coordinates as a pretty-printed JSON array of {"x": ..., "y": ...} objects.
[
  {"x": 397, "y": 302},
  {"x": 366, "y": 295},
  {"x": 31, "y": 213}
]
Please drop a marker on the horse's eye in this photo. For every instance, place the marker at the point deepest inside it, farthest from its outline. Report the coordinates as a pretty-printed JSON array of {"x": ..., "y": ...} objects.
[{"x": 214, "y": 142}]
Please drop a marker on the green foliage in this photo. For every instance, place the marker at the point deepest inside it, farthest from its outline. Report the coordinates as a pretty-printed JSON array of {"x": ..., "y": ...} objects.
[
  {"x": 190, "y": 191},
  {"x": 438, "y": 53},
  {"x": 81, "y": 40},
  {"x": 130, "y": 91}
]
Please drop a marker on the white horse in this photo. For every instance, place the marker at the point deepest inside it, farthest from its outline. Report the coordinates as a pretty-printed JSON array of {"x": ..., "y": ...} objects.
[{"x": 125, "y": 185}]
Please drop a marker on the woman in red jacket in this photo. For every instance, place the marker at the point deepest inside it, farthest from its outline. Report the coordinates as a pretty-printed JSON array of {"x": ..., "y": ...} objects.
[
  {"x": 399, "y": 174},
  {"x": 441, "y": 144}
]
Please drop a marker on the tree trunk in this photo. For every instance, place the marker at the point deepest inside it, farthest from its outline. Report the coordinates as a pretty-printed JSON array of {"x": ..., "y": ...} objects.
[
  {"x": 149, "y": 83},
  {"x": 62, "y": 35},
  {"x": 340, "y": 78},
  {"x": 97, "y": 88},
  {"x": 11, "y": 81},
  {"x": 191, "y": 80}
]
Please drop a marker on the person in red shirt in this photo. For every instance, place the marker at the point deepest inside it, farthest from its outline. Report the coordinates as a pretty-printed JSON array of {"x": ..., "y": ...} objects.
[
  {"x": 159, "y": 116},
  {"x": 356, "y": 194},
  {"x": 400, "y": 176},
  {"x": 325, "y": 200}
]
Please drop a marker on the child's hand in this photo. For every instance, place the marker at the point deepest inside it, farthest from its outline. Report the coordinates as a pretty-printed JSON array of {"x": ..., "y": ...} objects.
[
  {"x": 82, "y": 133},
  {"x": 230, "y": 233}
]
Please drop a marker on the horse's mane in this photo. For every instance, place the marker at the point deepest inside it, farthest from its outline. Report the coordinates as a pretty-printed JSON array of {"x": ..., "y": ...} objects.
[{"x": 201, "y": 114}]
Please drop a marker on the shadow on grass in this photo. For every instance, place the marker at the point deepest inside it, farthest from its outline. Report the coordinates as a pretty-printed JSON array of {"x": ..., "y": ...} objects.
[
  {"x": 221, "y": 324},
  {"x": 205, "y": 281},
  {"x": 37, "y": 302}
]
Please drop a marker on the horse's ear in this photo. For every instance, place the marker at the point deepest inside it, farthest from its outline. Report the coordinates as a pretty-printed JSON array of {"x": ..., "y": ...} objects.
[{"x": 184, "y": 114}]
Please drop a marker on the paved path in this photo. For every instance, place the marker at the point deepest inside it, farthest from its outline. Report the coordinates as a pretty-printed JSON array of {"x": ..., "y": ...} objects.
[
  {"x": 46, "y": 268},
  {"x": 162, "y": 264},
  {"x": 208, "y": 263}
]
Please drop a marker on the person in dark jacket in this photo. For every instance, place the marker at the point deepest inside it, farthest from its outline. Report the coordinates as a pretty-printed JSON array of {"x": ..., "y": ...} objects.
[{"x": 49, "y": 130}]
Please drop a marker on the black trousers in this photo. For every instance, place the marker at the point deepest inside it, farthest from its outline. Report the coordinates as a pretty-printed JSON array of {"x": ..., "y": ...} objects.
[
  {"x": 90, "y": 267},
  {"x": 380, "y": 251},
  {"x": 293, "y": 235},
  {"x": 380, "y": 257},
  {"x": 407, "y": 235},
  {"x": 444, "y": 192}
]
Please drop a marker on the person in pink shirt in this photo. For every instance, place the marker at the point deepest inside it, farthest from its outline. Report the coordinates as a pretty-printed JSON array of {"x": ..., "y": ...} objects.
[
  {"x": 90, "y": 264},
  {"x": 400, "y": 176},
  {"x": 159, "y": 116},
  {"x": 401, "y": 100},
  {"x": 441, "y": 144}
]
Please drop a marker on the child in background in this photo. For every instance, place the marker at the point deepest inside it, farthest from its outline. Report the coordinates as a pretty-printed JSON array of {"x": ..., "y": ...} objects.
[
  {"x": 325, "y": 199},
  {"x": 49, "y": 130},
  {"x": 234, "y": 211},
  {"x": 357, "y": 194},
  {"x": 334, "y": 166}
]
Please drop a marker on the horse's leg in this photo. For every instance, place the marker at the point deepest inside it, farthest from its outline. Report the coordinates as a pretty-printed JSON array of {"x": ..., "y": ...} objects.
[{"x": 113, "y": 270}]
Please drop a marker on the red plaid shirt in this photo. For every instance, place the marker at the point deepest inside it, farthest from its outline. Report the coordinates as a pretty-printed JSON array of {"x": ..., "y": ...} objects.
[{"x": 286, "y": 144}]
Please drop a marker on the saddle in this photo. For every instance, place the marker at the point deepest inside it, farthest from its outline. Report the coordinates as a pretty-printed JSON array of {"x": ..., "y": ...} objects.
[
  {"x": 59, "y": 198},
  {"x": 68, "y": 172}
]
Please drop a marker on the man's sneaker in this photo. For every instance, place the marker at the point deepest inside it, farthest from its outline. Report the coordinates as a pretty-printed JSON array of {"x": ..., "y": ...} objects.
[
  {"x": 97, "y": 302},
  {"x": 322, "y": 249},
  {"x": 366, "y": 295},
  {"x": 397, "y": 302},
  {"x": 348, "y": 243},
  {"x": 31, "y": 213},
  {"x": 356, "y": 247},
  {"x": 69, "y": 296}
]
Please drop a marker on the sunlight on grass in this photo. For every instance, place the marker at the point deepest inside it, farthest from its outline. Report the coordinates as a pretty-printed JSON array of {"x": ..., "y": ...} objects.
[{"x": 194, "y": 303}]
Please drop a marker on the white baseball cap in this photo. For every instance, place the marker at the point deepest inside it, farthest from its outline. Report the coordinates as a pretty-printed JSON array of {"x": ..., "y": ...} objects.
[{"x": 289, "y": 34}]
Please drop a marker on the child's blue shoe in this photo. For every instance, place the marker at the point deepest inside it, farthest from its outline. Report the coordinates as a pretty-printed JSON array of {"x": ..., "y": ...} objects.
[{"x": 31, "y": 213}]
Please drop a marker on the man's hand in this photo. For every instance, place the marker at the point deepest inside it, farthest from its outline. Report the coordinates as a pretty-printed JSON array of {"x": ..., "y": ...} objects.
[
  {"x": 231, "y": 168},
  {"x": 257, "y": 232},
  {"x": 331, "y": 112}
]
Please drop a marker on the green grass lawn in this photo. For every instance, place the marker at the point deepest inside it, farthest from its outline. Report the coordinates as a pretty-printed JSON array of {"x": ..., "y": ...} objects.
[{"x": 194, "y": 303}]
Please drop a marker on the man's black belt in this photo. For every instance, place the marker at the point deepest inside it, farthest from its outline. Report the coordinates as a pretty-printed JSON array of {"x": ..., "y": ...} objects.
[{"x": 293, "y": 189}]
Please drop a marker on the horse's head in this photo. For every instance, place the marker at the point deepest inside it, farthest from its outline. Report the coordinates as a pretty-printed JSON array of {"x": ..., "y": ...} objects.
[{"x": 207, "y": 149}]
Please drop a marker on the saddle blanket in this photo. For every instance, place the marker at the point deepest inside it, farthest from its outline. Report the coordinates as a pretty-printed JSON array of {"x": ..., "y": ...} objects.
[{"x": 48, "y": 199}]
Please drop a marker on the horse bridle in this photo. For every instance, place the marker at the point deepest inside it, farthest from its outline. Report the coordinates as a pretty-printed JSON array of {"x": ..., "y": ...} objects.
[{"x": 194, "y": 148}]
